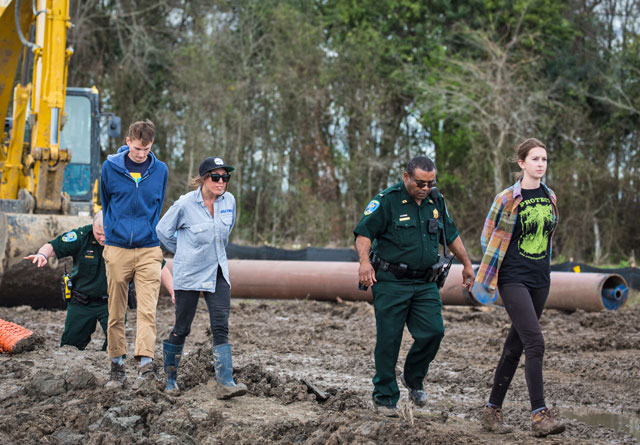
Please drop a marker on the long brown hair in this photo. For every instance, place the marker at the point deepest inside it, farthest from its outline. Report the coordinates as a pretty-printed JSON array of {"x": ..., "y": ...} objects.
[{"x": 523, "y": 149}]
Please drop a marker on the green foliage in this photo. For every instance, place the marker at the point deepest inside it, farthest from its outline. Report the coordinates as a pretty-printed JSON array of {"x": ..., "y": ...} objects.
[{"x": 320, "y": 104}]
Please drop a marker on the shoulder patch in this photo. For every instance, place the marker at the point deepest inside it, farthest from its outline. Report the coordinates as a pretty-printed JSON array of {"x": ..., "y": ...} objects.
[
  {"x": 69, "y": 237},
  {"x": 372, "y": 207}
]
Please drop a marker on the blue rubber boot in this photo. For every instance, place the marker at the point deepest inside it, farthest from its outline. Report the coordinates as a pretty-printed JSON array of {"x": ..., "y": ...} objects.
[
  {"x": 172, "y": 355},
  {"x": 226, "y": 387}
]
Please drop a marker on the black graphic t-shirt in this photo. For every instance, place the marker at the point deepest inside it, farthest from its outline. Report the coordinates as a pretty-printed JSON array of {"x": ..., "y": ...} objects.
[{"x": 527, "y": 259}]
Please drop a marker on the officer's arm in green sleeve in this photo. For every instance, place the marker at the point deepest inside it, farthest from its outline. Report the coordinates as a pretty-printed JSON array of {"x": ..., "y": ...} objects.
[
  {"x": 68, "y": 244},
  {"x": 374, "y": 220}
]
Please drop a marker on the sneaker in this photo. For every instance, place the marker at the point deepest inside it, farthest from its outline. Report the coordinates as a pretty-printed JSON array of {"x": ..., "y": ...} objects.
[
  {"x": 117, "y": 376},
  {"x": 493, "y": 421},
  {"x": 417, "y": 396},
  {"x": 386, "y": 410},
  {"x": 148, "y": 374},
  {"x": 545, "y": 422}
]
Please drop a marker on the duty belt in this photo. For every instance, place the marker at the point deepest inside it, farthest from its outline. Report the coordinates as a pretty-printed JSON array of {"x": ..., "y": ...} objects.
[
  {"x": 85, "y": 299},
  {"x": 401, "y": 270}
]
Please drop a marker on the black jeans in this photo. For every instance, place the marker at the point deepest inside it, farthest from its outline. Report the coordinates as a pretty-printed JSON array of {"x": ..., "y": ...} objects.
[
  {"x": 218, "y": 303},
  {"x": 524, "y": 306}
]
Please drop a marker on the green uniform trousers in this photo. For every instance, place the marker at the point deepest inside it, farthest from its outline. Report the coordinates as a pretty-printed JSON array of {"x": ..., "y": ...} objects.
[
  {"x": 417, "y": 304},
  {"x": 81, "y": 323}
]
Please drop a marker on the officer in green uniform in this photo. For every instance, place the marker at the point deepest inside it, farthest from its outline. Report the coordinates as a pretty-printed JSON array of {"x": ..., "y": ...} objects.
[
  {"x": 88, "y": 302},
  {"x": 402, "y": 227}
]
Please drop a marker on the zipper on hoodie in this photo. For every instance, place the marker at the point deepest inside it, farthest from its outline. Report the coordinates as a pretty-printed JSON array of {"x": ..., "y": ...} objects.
[
  {"x": 135, "y": 214},
  {"x": 128, "y": 175}
]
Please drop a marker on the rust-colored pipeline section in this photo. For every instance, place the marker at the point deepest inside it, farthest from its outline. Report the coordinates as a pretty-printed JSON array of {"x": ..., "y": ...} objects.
[
  {"x": 326, "y": 280},
  {"x": 591, "y": 292}
]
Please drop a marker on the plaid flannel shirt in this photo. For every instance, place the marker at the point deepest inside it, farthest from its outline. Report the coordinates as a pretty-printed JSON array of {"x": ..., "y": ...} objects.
[{"x": 496, "y": 236}]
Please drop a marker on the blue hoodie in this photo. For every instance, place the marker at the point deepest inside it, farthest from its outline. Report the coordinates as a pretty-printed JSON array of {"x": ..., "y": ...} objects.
[{"x": 131, "y": 209}]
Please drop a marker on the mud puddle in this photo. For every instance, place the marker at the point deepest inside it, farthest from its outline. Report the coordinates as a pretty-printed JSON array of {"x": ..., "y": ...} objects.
[{"x": 618, "y": 422}]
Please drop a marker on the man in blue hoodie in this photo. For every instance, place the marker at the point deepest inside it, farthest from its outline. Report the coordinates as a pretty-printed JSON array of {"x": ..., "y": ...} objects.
[{"x": 133, "y": 186}]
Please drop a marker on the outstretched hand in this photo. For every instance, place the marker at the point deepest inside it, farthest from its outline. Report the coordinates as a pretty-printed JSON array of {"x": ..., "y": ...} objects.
[{"x": 38, "y": 259}]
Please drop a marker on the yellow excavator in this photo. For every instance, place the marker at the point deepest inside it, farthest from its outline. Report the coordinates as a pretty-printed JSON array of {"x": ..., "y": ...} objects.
[{"x": 49, "y": 146}]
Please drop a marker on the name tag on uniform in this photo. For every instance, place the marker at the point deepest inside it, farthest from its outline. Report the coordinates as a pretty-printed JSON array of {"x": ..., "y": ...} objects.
[
  {"x": 207, "y": 284},
  {"x": 404, "y": 217}
]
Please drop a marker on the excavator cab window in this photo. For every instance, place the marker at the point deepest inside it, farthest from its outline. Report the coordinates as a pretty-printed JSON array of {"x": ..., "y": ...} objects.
[
  {"x": 79, "y": 134},
  {"x": 76, "y": 136}
]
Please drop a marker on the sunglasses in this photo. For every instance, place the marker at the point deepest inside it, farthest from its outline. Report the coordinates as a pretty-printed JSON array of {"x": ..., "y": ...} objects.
[
  {"x": 215, "y": 177},
  {"x": 423, "y": 184}
]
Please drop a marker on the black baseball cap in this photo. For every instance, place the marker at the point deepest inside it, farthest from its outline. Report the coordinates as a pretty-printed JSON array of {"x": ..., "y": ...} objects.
[{"x": 211, "y": 163}]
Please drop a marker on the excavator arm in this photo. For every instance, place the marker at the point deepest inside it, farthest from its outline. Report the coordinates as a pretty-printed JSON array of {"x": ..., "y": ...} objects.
[
  {"x": 43, "y": 190},
  {"x": 41, "y": 103}
]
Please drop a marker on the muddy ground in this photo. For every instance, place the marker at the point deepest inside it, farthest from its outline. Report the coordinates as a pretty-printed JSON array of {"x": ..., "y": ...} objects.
[{"x": 55, "y": 395}]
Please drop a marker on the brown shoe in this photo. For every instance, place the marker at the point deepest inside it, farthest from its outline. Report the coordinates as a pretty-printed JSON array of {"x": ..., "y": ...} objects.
[
  {"x": 117, "y": 376},
  {"x": 545, "y": 422},
  {"x": 493, "y": 421}
]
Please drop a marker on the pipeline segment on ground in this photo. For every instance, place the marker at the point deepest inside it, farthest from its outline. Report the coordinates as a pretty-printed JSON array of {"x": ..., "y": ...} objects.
[{"x": 329, "y": 280}]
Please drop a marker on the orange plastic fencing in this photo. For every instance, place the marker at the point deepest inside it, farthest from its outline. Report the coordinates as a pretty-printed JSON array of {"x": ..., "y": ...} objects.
[{"x": 11, "y": 334}]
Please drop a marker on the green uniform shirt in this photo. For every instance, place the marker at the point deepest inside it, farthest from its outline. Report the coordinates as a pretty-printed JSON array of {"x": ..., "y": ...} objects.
[
  {"x": 88, "y": 275},
  {"x": 399, "y": 228}
]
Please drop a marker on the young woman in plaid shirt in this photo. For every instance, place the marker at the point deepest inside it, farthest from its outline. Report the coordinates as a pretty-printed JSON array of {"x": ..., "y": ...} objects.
[{"x": 516, "y": 242}]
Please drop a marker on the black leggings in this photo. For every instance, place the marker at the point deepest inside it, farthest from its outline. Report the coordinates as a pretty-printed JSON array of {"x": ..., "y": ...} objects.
[
  {"x": 524, "y": 306},
  {"x": 218, "y": 303}
]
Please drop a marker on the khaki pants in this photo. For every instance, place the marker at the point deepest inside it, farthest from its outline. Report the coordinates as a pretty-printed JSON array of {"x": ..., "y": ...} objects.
[{"x": 144, "y": 265}]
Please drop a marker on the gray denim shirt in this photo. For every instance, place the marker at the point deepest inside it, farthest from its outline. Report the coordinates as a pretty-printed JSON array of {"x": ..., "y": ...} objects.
[{"x": 198, "y": 240}]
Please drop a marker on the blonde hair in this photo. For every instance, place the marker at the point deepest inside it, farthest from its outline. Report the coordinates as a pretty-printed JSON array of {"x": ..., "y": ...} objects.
[{"x": 197, "y": 181}]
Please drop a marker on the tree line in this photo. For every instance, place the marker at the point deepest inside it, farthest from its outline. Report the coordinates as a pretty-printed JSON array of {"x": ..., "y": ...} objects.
[{"x": 320, "y": 104}]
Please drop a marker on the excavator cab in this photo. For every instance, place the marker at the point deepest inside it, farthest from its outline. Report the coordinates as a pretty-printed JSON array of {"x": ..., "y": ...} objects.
[{"x": 81, "y": 135}]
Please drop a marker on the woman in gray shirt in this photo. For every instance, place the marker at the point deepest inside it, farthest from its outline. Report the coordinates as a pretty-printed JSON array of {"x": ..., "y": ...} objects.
[{"x": 196, "y": 229}]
